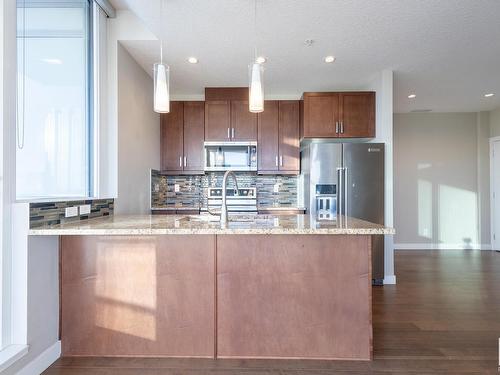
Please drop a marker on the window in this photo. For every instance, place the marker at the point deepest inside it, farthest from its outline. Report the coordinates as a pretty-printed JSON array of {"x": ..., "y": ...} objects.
[{"x": 54, "y": 132}]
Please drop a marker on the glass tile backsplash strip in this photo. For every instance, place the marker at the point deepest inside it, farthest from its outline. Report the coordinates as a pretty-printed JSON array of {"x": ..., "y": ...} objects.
[
  {"x": 192, "y": 190},
  {"x": 52, "y": 213}
]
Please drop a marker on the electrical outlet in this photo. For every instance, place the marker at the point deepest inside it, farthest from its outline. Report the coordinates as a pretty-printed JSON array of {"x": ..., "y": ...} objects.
[
  {"x": 71, "y": 211},
  {"x": 276, "y": 187},
  {"x": 157, "y": 188},
  {"x": 85, "y": 209},
  {"x": 177, "y": 223},
  {"x": 177, "y": 188},
  {"x": 276, "y": 222}
]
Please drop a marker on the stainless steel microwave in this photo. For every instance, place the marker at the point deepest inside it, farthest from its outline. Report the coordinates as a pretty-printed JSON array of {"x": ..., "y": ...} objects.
[{"x": 235, "y": 156}]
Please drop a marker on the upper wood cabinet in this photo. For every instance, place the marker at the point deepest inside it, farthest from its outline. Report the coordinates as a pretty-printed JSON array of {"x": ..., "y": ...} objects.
[
  {"x": 172, "y": 137},
  {"x": 218, "y": 120},
  {"x": 357, "y": 114},
  {"x": 194, "y": 135},
  {"x": 278, "y": 138},
  {"x": 243, "y": 122},
  {"x": 182, "y": 136},
  {"x": 289, "y": 143},
  {"x": 338, "y": 114},
  {"x": 229, "y": 120}
]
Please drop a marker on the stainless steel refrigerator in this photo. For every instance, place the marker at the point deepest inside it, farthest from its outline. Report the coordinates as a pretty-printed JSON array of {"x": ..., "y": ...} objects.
[{"x": 346, "y": 179}]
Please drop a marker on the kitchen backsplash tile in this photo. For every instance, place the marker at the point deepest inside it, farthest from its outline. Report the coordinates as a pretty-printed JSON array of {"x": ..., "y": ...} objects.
[
  {"x": 193, "y": 189},
  {"x": 51, "y": 213}
]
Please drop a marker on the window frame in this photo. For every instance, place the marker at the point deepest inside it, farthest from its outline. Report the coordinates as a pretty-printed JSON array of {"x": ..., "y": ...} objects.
[{"x": 91, "y": 121}]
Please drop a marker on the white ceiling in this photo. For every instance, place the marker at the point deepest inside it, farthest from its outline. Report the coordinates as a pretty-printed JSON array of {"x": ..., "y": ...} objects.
[{"x": 447, "y": 52}]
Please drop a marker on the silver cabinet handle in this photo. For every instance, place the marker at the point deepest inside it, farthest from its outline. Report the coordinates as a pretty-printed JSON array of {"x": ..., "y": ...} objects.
[
  {"x": 276, "y": 160},
  {"x": 185, "y": 161},
  {"x": 232, "y": 133},
  {"x": 281, "y": 160},
  {"x": 342, "y": 127},
  {"x": 228, "y": 134},
  {"x": 336, "y": 127},
  {"x": 180, "y": 161}
]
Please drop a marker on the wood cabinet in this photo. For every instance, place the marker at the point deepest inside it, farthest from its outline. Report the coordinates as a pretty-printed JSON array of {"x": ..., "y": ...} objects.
[
  {"x": 218, "y": 120},
  {"x": 194, "y": 135},
  {"x": 229, "y": 120},
  {"x": 172, "y": 136},
  {"x": 243, "y": 122},
  {"x": 138, "y": 296},
  {"x": 182, "y": 137},
  {"x": 278, "y": 138},
  {"x": 317, "y": 306},
  {"x": 338, "y": 115}
]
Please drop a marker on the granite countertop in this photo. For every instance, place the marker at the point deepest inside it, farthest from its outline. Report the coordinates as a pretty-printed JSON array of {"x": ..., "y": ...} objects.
[{"x": 206, "y": 224}]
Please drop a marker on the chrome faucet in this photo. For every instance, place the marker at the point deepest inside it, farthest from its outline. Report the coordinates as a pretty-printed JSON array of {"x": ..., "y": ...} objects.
[{"x": 223, "y": 211}]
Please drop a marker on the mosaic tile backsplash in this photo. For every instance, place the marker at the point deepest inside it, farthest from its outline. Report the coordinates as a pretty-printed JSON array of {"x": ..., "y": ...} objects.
[
  {"x": 193, "y": 189},
  {"x": 52, "y": 213}
]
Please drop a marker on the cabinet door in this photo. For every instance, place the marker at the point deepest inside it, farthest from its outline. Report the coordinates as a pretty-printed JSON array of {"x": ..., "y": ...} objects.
[
  {"x": 217, "y": 120},
  {"x": 268, "y": 137},
  {"x": 243, "y": 122},
  {"x": 289, "y": 136},
  {"x": 357, "y": 113},
  {"x": 172, "y": 138},
  {"x": 321, "y": 112},
  {"x": 194, "y": 135}
]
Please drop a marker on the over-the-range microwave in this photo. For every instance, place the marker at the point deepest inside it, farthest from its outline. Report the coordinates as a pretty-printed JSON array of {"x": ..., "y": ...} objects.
[{"x": 235, "y": 156}]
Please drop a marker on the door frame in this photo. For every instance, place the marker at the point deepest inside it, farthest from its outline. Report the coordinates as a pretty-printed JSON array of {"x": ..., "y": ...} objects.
[{"x": 492, "y": 140}]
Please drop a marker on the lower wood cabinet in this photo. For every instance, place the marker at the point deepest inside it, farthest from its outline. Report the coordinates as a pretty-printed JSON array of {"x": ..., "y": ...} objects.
[
  {"x": 278, "y": 138},
  {"x": 224, "y": 296},
  {"x": 294, "y": 296},
  {"x": 138, "y": 296}
]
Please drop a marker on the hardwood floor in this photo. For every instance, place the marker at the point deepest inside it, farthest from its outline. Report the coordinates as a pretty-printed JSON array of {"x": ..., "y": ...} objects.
[{"x": 443, "y": 317}]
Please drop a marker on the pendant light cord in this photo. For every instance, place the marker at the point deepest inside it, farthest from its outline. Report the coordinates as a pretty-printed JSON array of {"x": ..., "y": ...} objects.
[
  {"x": 255, "y": 29},
  {"x": 19, "y": 128},
  {"x": 161, "y": 32}
]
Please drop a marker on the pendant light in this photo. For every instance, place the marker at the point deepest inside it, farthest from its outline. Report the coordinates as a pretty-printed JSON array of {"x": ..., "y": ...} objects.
[
  {"x": 256, "y": 76},
  {"x": 161, "y": 78}
]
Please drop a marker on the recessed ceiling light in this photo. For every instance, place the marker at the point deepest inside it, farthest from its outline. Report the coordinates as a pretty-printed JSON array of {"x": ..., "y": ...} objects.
[
  {"x": 260, "y": 60},
  {"x": 329, "y": 59},
  {"x": 193, "y": 60},
  {"x": 489, "y": 95},
  {"x": 412, "y": 96}
]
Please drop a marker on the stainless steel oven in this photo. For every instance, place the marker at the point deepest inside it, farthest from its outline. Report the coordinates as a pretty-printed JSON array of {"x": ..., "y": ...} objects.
[{"x": 235, "y": 156}]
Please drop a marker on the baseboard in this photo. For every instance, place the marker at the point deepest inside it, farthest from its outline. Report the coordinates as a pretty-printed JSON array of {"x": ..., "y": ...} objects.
[
  {"x": 43, "y": 361},
  {"x": 389, "y": 279},
  {"x": 440, "y": 246}
]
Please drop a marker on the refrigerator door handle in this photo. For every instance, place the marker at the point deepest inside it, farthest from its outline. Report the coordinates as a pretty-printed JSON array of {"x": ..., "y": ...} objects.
[
  {"x": 346, "y": 188},
  {"x": 339, "y": 190}
]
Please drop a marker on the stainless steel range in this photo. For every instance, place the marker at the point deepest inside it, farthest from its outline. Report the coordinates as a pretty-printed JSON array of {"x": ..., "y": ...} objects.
[{"x": 244, "y": 201}]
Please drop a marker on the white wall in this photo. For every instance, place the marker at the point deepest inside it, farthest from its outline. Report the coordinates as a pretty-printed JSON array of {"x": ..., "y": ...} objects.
[
  {"x": 43, "y": 307},
  {"x": 138, "y": 136},
  {"x": 125, "y": 26},
  {"x": 495, "y": 123},
  {"x": 441, "y": 194}
]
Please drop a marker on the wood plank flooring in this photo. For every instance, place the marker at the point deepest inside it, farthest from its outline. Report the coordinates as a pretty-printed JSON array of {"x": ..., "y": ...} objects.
[{"x": 443, "y": 317}]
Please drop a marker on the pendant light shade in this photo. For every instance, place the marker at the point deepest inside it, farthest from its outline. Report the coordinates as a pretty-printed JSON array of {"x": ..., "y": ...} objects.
[
  {"x": 161, "y": 78},
  {"x": 256, "y": 87}
]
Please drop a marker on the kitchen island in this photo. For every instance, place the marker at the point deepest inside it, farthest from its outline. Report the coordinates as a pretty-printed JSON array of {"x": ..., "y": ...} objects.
[{"x": 183, "y": 286}]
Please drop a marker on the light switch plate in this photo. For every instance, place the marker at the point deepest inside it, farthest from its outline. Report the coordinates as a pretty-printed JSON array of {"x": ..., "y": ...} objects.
[
  {"x": 71, "y": 211},
  {"x": 276, "y": 187},
  {"x": 177, "y": 188},
  {"x": 85, "y": 209}
]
